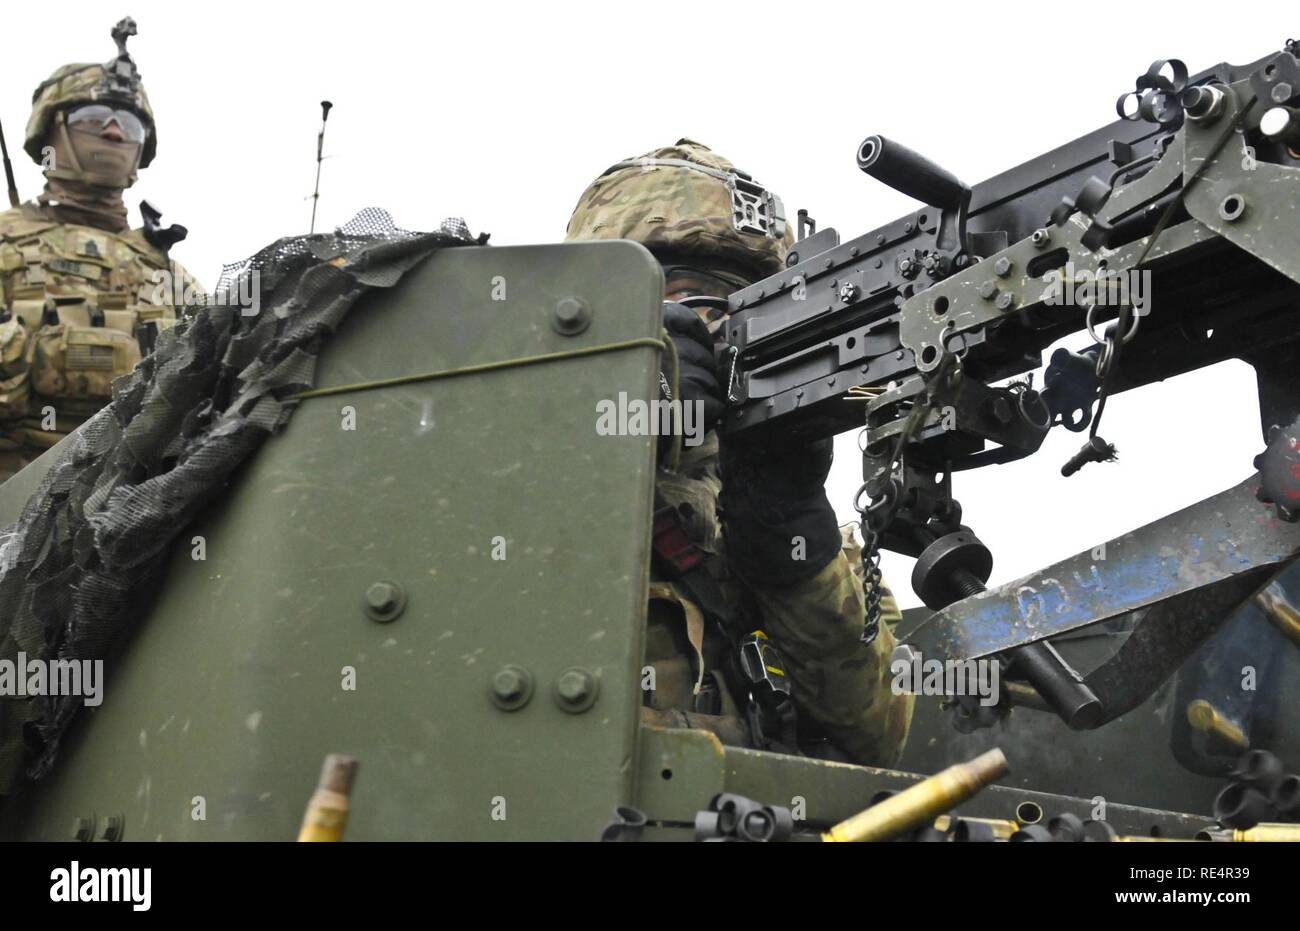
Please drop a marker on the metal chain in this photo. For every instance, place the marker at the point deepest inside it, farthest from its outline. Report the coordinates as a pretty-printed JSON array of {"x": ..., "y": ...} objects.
[
  {"x": 872, "y": 578},
  {"x": 881, "y": 509}
]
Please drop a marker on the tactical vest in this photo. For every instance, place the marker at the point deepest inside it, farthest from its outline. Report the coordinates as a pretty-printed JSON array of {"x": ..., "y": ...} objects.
[{"x": 77, "y": 303}]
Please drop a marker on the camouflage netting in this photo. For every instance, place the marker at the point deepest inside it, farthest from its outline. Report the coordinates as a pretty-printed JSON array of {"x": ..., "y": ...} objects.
[{"x": 77, "y": 567}]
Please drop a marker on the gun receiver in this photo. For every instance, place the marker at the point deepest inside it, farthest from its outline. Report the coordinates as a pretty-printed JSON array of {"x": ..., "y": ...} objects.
[
  {"x": 835, "y": 320},
  {"x": 1170, "y": 236}
]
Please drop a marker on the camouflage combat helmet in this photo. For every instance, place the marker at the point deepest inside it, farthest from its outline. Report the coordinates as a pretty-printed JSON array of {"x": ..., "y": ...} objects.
[
  {"x": 116, "y": 82},
  {"x": 687, "y": 201}
]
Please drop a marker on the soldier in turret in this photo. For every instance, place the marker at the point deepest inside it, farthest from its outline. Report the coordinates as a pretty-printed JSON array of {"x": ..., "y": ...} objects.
[{"x": 755, "y": 610}]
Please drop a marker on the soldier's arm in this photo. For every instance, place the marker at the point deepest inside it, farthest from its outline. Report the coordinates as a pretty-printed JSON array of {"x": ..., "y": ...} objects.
[
  {"x": 783, "y": 540},
  {"x": 840, "y": 684}
]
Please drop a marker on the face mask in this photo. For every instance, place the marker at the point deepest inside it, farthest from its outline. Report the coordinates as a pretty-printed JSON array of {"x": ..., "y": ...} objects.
[{"x": 93, "y": 158}]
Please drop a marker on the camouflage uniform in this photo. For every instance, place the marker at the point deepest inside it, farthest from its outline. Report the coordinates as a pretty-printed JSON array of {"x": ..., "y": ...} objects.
[
  {"x": 77, "y": 286},
  {"x": 840, "y": 685}
]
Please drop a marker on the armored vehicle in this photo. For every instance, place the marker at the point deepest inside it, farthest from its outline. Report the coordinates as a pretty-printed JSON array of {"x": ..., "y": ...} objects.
[{"x": 372, "y": 516}]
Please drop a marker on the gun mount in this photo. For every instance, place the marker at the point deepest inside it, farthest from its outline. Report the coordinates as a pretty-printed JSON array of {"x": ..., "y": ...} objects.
[{"x": 1170, "y": 237}]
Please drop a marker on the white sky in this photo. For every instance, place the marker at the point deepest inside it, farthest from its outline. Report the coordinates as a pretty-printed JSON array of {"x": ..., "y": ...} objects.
[{"x": 503, "y": 112}]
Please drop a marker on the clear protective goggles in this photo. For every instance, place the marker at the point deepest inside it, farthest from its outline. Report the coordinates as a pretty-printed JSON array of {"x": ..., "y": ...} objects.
[
  {"x": 704, "y": 282},
  {"x": 95, "y": 117}
]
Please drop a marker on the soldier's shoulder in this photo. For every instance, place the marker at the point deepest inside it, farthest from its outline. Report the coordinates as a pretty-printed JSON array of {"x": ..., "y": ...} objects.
[
  {"x": 137, "y": 240},
  {"x": 24, "y": 220},
  {"x": 154, "y": 257}
]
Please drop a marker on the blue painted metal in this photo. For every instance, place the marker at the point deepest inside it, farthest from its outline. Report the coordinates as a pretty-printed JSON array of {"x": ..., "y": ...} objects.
[{"x": 1211, "y": 541}]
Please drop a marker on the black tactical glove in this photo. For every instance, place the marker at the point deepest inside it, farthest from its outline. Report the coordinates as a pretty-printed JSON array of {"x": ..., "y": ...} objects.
[
  {"x": 781, "y": 529},
  {"x": 696, "y": 376}
]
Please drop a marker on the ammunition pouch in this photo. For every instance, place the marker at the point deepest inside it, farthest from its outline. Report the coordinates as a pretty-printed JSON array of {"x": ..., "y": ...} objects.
[
  {"x": 74, "y": 360},
  {"x": 15, "y": 387},
  {"x": 151, "y": 319}
]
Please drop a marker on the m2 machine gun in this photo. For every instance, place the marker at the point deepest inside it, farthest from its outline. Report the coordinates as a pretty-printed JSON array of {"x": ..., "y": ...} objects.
[{"x": 1173, "y": 237}]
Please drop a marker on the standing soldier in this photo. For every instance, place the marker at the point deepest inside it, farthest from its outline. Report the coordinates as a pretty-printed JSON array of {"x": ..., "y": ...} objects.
[
  {"x": 748, "y": 555},
  {"x": 82, "y": 295}
]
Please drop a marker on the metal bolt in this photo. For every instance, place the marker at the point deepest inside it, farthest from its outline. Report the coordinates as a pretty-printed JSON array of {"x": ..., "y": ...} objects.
[
  {"x": 1002, "y": 267},
  {"x": 83, "y": 829},
  {"x": 989, "y": 290},
  {"x": 1006, "y": 300},
  {"x": 570, "y": 317},
  {"x": 1202, "y": 103},
  {"x": 384, "y": 601},
  {"x": 381, "y": 597},
  {"x": 572, "y": 687},
  {"x": 1282, "y": 92},
  {"x": 1040, "y": 238},
  {"x": 508, "y": 685},
  {"x": 848, "y": 292},
  {"x": 575, "y": 690},
  {"x": 512, "y": 687}
]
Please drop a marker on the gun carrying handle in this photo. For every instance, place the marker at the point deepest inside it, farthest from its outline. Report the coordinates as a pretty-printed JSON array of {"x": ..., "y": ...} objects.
[{"x": 912, "y": 174}]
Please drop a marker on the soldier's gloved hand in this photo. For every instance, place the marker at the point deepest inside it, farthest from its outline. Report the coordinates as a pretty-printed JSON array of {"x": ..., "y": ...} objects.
[
  {"x": 780, "y": 528},
  {"x": 697, "y": 380}
]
